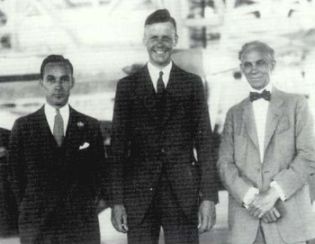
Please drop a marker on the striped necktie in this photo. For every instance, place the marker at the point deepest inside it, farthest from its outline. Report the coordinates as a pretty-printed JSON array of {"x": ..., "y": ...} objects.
[{"x": 58, "y": 130}]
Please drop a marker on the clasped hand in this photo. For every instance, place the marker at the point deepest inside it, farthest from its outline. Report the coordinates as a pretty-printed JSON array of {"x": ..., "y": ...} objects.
[{"x": 263, "y": 206}]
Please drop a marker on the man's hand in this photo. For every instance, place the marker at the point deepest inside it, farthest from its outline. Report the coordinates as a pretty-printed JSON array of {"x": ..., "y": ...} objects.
[
  {"x": 271, "y": 216},
  {"x": 206, "y": 215},
  {"x": 119, "y": 218},
  {"x": 263, "y": 203}
]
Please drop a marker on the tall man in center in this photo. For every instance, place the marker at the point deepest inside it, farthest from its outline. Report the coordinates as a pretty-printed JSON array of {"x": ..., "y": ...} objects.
[{"x": 160, "y": 118}]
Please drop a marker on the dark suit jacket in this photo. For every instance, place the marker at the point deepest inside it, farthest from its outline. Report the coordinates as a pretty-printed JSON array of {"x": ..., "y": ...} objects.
[
  {"x": 143, "y": 142},
  {"x": 8, "y": 210},
  {"x": 56, "y": 187}
]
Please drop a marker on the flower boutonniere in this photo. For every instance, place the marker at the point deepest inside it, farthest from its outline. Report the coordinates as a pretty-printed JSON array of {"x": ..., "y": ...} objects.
[
  {"x": 80, "y": 124},
  {"x": 3, "y": 152}
]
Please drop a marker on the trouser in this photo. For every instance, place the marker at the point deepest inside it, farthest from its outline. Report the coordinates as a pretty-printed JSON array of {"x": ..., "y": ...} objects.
[
  {"x": 268, "y": 234},
  {"x": 164, "y": 212}
]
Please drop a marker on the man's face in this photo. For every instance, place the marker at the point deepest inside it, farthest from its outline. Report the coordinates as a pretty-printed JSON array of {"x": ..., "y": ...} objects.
[
  {"x": 160, "y": 39},
  {"x": 57, "y": 82},
  {"x": 257, "y": 68}
]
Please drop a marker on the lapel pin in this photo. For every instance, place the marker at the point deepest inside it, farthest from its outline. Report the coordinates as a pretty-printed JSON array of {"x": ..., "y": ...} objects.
[{"x": 80, "y": 124}]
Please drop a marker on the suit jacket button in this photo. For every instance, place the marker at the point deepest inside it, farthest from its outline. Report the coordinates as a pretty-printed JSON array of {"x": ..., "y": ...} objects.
[
  {"x": 193, "y": 163},
  {"x": 151, "y": 189},
  {"x": 163, "y": 150}
]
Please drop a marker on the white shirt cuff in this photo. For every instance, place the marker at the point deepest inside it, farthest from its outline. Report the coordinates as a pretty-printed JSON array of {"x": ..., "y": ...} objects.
[
  {"x": 250, "y": 195},
  {"x": 313, "y": 207},
  {"x": 279, "y": 190}
]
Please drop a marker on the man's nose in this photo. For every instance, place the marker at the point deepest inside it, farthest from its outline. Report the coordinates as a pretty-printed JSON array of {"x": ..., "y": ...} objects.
[
  {"x": 254, "y": 68},
  {"x": 159, "y": 41},
  {"x": 59, "y": 84}
]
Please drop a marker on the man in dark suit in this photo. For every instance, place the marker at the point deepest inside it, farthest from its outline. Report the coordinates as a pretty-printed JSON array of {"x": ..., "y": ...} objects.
[
  {"x": 8, "y": 210},
  {"x": 266, "y": 156},
  {"x": 160, "y": 118},
  {"x": 56, "y": 165}
]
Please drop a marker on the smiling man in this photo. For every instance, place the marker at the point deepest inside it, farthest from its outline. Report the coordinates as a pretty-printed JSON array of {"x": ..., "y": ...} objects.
[
  {"x": 56, "y": 162},
  {"x": 160, "y": 117},
  {"x": 266, "y": 156}
]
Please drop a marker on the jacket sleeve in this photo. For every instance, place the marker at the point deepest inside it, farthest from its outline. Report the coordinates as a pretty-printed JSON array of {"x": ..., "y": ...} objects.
[
  {"x": 232, "y": 180},
  {"x": 204, "y": 145},
  {"x": 294, "y": 177},
  {"x": 119, "y": 141},
  {"x": 101, "y": 164},
  {"x": 16, "y": 168}
]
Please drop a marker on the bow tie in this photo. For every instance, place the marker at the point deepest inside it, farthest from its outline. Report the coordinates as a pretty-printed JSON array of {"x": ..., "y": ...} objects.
[{"x": 255, "y": 95}]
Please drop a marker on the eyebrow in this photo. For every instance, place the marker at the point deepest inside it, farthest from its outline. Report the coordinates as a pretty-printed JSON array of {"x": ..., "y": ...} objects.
[
  {"x": 255, "y": 61},
  {"x": 61, "y": 77}
]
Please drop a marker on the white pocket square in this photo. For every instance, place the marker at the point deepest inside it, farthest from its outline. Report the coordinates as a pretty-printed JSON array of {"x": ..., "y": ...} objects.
[{"x": 84, "y": 146}]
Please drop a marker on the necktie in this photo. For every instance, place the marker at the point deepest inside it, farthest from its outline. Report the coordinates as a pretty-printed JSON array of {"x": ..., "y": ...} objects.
[
  {"x": 58, "y": 128},
  {"x": 160, "y": 84},
  {"x": 253, "y": 96}
]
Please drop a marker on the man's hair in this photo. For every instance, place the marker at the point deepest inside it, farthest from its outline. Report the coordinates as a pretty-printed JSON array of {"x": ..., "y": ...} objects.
[
  {"x": 55, "y": 59},
  {"x": 257, "y": 45},
  {"x": 160, "y": 16}
]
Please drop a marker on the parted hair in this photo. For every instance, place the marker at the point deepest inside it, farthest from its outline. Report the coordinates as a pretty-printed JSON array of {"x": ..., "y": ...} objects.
[
  {"x": 55, "y": 59},
  {"x": 257, "y": 45},
  {"x": 160, "y": 16}
]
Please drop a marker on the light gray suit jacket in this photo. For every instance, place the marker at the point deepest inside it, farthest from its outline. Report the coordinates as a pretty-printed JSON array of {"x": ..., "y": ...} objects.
[{"x": 289, "y": 159}]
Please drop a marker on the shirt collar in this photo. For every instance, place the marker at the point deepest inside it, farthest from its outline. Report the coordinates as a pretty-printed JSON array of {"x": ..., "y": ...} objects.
[
  {"x": 50, "y": 113},
  {"x": 155, "y": 72},
  {"x": 267, "y": 88},
  {"x": 64, "y": 111}
]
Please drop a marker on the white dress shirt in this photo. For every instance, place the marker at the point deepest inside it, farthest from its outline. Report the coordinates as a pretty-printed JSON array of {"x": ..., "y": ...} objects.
[
  {"x": 50, "y": 113},
  {"x": 260, "y": 109},
  {"x": 155, "y": 73}
]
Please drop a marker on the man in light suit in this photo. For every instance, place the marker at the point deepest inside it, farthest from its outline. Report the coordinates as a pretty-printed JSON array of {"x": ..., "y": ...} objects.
[
  {"x": 266, "y": 157},
  {"x": 56, "y": 165},
  {"x": 160, "y": 117}
]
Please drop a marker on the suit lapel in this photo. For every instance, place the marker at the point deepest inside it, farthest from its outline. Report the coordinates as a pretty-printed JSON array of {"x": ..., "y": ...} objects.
[
  {"x": 170, "y": 92},
  {"x": 249, "y": 121},
  {"x": 73, "y": 133},
  {"x": 273, "y": 116},
  {"x": 44, "y": 128},
  {"x": 145, "y": 91}
]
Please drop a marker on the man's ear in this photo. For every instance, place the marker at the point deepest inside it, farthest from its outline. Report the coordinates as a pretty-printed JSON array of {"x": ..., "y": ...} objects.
[
  {"x": 273, "y": 65},
  {"x": 144, "y": 39},
  {"x": 176, "y": 40},
  {"x": 241, "y": 68},
  {"x": 73, "y": 82}
]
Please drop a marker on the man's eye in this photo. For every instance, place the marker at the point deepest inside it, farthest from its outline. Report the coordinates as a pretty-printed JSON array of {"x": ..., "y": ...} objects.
[
  {"x": 66, "y": 78},
  {"x": 247, "y": 65},
  {"x": 50, "y": 79},
  {"x": 261, "y": 63},
  {"x": 166, "y": 39}
]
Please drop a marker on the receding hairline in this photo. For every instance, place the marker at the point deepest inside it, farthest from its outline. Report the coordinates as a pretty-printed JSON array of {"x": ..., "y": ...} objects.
[
  {"x": 258, "y": 46},
  {"x": 61, "y": 63}
]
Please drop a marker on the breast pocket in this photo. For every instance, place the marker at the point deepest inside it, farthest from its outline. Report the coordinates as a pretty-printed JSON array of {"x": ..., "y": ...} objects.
[{"x": 284, "y": 125}]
